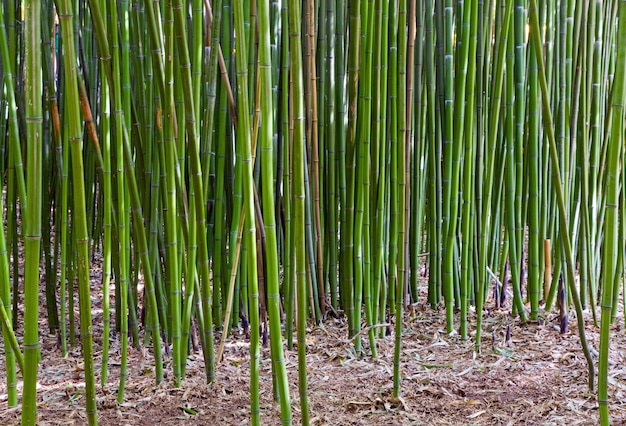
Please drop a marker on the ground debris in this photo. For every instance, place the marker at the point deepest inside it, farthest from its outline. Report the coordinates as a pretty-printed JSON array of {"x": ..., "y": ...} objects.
[{"x": 536, "y": 376}]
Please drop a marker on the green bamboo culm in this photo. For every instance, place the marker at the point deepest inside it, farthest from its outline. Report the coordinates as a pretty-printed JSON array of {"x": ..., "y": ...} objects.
[
  {"x": 271, "y": 244},
  {"x": 298, "y": 165},
  {"x": 123, "y": 221},
  {"x": 493, "y": 126},
  {"x": 11, "y": 348},
  {"x": 170, "y": 164},
  {"x": 468, "y": 176},
  {"x": 107, "y": 238},
  {"x": 613, "y": 209},
  {"x": 347, "y": 271},
  {"x": 452, "y": 158},
  {"x": 244, "y": 141},
  {"x": 10, "y": 343},
  {"x": 140, "y": 233},
  {"x": 288, "y": 246},
  {"x": 209, "y": 299},
  {"x": 558, "y": 189},
  {"x": 32, "y": 215},
  {"x": 405, "y": 32},
  {"x": 193, "y": 147},
  {"x": 380, "y": 109},
  {"x": 79, "y": 211}
]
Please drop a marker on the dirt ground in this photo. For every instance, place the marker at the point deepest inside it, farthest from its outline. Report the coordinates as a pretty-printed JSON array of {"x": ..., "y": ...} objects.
[{"x": 537, "y": 377}]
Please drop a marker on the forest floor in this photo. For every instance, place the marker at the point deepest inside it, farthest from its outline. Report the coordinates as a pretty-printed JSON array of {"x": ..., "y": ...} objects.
[{"x": 536, "y": 377}]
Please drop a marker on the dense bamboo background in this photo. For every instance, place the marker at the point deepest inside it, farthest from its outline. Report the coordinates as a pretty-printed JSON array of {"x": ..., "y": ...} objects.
[{"x": 265, "y": 164}]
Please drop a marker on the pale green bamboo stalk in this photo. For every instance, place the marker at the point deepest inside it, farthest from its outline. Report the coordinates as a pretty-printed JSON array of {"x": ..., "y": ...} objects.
[
  {"x": 12, "y": 230},
  {"x": 347, "y": 235},
  {"x": 419, "y": 166},
  {"x": 170, "y": 166},
  {"x": 122, "y": 220},
  {"x": 331, "y": 222},
  {"x": 521, "y": 63},
  {"x": 485, "y": 226},
  {"x": 510, "y": 181},
  {"x": 362, "y": 276},
  {"x": 190, "y": 282},
  {"x": 430, "y": 124},
  {"x": 105, "y": 126},
  {"x": 317, "y": 266},
  {"x": 468, "y": 206},
  {"x": 556, "y": 184},
  {"x": 404, "y": 131},
  {"x": 220, "y": 266},
  {"x": 32, "y": 221},
  {"x": 450, "y": 154},
  {"x": 5, "y": 286},
  {"x": 193, "y": 145},
  {"x": 457, "y": 130},
  {"x": 64, "y": 235},
  {"x": 382, "y": 207},
  {"x": 214, "y": 300},
  {"x": 271, "y": 244},
  {"x": 295, "y": 49},
  {"x": 392, "y": 128},
  {"x": 79, "y": 212},
  {"x": 244, "y": 139},
  {"x": 288, "y": 254},
  {"x": 11, "y": 348},
  {"x": 140, "y": 239},
  {"x": 611, "y": 243}
]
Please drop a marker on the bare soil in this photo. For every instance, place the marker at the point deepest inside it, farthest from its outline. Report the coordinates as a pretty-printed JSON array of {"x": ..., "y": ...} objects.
[{"x": 537, "y": 377}]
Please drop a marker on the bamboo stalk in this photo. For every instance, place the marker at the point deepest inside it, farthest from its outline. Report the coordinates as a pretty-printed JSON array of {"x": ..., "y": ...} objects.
[
  {"x": 32, "y": 225},
  {"x": 298, "y": 198},
  {"x": 613, "y": 180}
]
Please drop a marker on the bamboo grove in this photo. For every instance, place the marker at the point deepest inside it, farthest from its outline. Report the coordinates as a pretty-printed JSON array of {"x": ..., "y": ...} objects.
[{"x": 266, "y": 164}]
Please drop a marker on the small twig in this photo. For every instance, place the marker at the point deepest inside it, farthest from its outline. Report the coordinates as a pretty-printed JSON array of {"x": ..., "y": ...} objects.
[
  {"x": 497, "y": 280},
  {"x": 367, "y": 329}
]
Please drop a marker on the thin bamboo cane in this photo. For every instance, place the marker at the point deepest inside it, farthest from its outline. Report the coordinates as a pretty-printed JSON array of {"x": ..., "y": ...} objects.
[
  {"x": 196, "y": 172},
  {"x": 79, "y": 213},
  {"x": 450, "y": 154},
  {"x": 134, "y": 193},
  {"x": 348, "y": 208},
  {"x": 518, "y": 39},
  {"x": 220, "y": 267},
  {"x": 272, "y": 264},
  {"x": 10, "y": 343},
  {"x": 362, "y": 290},
  {"x": 244, "y": 139},
  {"x": 288, "y": 254},
  {"x": 32, "y": 225},
  {"x": 610, "y": 253},
  {"x": 331, "y": 221},
  {"x": 105, "y": 125},
  {"x": 510, "y": 182},
  {"x": 378, "y": 130},
  {"x": 123, "y": 267},
  {"x": 295, "y": 49},
  {"x": 434, "y": 194},
  {"x": 547, "y": 117},
  {"x": 468, "y": 206},
  {"x": 485, "y": 227},
  {"x": 315, "y": 154},
  {"x": 534, "y": 243},
  {"x": 404, "y": 130}
]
